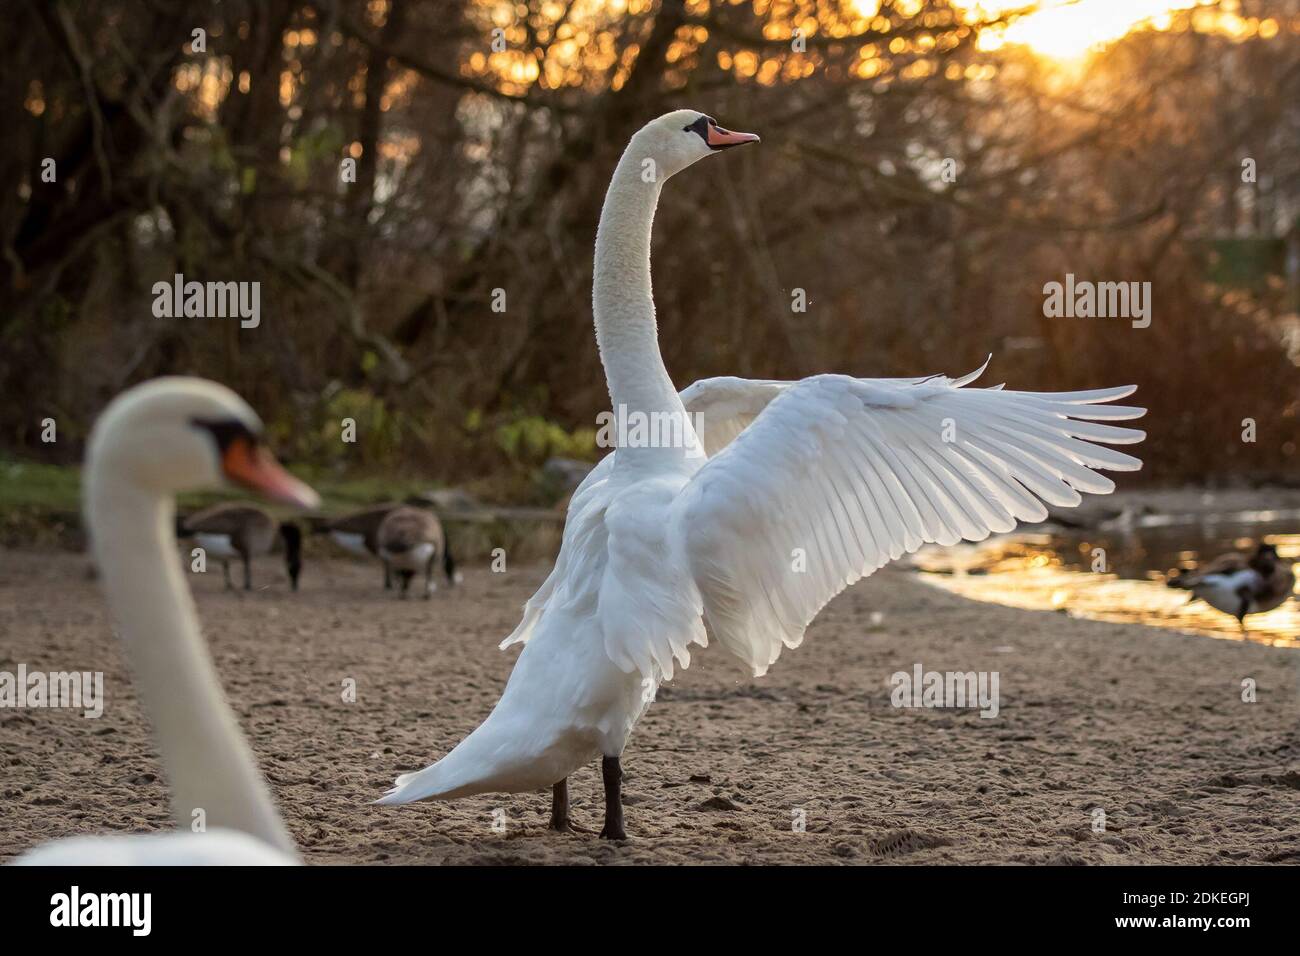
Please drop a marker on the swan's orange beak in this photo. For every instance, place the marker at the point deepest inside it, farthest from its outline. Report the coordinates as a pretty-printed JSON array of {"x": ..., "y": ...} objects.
[
  {"x": 255, "y": 468},
  {"x": 719, "y": 138}
]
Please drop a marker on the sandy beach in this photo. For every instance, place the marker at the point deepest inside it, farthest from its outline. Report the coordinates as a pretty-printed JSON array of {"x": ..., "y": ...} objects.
[{"x": 1147, "y": 724}]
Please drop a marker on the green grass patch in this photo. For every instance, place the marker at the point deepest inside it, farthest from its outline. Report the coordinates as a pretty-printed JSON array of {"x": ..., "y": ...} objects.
[
  {"x": 31, "y": 487},
  {"x": 28, "y": 485}
]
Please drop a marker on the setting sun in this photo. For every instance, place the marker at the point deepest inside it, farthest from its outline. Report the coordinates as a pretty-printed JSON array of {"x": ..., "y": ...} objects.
[{"x": 1068, "y": 29}]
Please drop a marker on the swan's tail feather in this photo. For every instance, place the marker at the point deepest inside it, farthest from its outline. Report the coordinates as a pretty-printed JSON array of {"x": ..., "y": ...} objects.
[
  {"x": 495, "y": 758},
  {"x": 410, "y": 787},
  {"x": 459, "y": 773}
]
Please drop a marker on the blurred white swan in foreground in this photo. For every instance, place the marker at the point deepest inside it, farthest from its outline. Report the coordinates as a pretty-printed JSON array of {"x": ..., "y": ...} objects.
[
  {"x": 807, "y": 487},
  {"x": 157, "y": 439}
]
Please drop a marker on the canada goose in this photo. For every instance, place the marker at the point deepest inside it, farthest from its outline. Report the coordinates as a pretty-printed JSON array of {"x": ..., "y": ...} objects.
[
  {"x": 411, "y": 539},
  {"x": 1240, "y": 584},
  {"x": 358, "y": 533},
  {"x": 231, "y": 530},
  {"x": 793, "y": 491},
  {"x": 152, "y": 442}
]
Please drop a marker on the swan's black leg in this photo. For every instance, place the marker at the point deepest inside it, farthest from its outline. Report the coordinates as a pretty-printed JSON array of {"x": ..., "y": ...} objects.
[
  {"x": 612, "y": 774},
  {"x": 560, "y": 806},
  {"x": 225, "y": 569},
  {"x": 561, "y": 822},
  {"x": 405, "y": 578}
]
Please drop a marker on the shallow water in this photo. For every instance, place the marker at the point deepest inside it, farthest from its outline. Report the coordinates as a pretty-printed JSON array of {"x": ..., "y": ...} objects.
[{"x": 1117, "y": 572}]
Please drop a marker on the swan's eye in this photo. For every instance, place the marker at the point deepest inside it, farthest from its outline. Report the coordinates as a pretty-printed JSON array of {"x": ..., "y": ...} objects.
[
  {"x": 245, "y": 461},
  {"x": 701, "y": 127},
  {"x": 225, "y": 431}
]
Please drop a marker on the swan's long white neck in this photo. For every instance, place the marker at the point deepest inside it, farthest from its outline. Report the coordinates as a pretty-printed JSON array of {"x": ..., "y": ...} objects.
[
  {"x": 624, "y": 306},
  {"x": 207, "y": 762}
]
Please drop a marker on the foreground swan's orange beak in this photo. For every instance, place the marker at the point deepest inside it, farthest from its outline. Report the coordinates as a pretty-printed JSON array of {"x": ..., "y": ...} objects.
[
  {"x": 720, "y": 138},
  {"x": 256, "y": 469}
]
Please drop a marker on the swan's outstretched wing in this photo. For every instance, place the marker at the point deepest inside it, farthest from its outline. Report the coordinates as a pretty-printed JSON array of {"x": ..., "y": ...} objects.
[
  {"x": 721, "y": 408},
  {"x": 837, "y": 475}
]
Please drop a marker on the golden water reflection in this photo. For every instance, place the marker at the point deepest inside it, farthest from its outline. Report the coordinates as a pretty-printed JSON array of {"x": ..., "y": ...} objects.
[{"x": 1027, "y": 571}]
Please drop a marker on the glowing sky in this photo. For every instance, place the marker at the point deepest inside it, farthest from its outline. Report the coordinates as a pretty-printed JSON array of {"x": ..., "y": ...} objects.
[{"x": 1067, "y": 30}]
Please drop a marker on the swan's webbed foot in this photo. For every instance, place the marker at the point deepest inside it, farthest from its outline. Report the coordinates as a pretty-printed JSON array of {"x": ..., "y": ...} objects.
[{"x": 612, "y": 774}]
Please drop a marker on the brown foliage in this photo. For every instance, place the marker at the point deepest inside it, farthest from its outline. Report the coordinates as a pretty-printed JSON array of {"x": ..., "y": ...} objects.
[{"x": 480, "y": 170}]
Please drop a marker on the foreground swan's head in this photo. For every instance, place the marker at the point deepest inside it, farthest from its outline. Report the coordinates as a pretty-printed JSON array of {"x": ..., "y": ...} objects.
[
  {"x": 181, "y": 434},
  {"x": 677, "y": 139}
]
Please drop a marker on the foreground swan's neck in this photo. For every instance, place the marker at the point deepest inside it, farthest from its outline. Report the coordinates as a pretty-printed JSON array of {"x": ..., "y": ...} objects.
[
  {"x": 623, "y": 304},
  {"x": 208, "y": 764}
]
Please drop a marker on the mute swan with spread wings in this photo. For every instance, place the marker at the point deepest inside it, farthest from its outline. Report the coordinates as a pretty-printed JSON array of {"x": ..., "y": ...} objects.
[{"x": 777, "y": 497}]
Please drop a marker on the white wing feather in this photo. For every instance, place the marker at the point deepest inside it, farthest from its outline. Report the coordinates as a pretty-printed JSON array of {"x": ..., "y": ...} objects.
[
  {"x": 837, "y": 476},
  {"x": 583, "y": 541},
  {"x": 721, "y": 408}
]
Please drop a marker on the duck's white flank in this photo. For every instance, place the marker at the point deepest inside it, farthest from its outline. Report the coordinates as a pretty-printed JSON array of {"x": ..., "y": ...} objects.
[
  {"x": 414, "y": 559},
  {"x": 352, "y": 542},
  {"x": 217, "y": 546}
]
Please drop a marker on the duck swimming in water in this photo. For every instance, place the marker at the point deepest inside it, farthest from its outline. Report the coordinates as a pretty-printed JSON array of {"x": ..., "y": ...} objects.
[{"x": 1241, "y": 584}]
